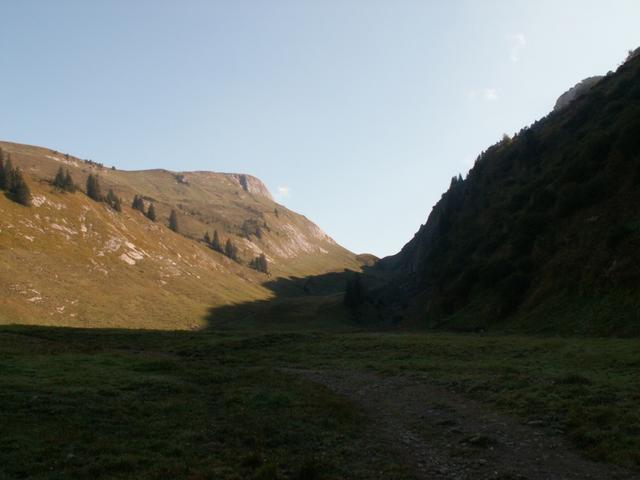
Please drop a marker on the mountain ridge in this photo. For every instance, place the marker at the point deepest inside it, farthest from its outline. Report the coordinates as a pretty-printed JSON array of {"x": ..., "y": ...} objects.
[{"x": 68, "y": 259}]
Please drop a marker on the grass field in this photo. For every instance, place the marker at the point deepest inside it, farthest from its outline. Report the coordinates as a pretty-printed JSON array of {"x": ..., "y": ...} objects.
[{"x": 128, "y": 404}]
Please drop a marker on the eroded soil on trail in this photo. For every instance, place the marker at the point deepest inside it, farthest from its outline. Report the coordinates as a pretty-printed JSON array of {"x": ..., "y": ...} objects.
[{"x": 439, "y": 434}]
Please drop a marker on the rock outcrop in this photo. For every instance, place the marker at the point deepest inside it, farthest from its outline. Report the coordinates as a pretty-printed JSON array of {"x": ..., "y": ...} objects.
[{"x": 574, "y": 92}]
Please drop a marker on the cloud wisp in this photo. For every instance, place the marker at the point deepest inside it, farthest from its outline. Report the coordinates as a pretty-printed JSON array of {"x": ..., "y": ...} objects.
[
  {"x": 282, "y": 193},
  {"x": 517, "y": 42},
  {"x": 487, "y": 94}
]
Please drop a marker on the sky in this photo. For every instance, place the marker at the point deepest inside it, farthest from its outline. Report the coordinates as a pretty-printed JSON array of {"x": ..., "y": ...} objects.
[{"x": 355, "y": 113}]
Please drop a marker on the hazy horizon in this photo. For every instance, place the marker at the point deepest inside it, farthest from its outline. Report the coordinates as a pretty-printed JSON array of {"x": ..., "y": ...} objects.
[{"x": 355, "y": 114}]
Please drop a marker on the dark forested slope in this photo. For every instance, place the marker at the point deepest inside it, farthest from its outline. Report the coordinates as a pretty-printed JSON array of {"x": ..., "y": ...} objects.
[{"x": 544, "y": 232}]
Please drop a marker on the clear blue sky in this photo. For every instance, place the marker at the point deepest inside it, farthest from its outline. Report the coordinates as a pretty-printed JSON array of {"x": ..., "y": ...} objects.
[{"x": 355, "y": 113}]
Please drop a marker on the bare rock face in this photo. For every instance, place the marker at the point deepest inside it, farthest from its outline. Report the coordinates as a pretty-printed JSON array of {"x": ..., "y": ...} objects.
[
  {"x": 574, "y": 92},
  {"x": 251, "y": 184},
  {"x": 585, "y": 85}
]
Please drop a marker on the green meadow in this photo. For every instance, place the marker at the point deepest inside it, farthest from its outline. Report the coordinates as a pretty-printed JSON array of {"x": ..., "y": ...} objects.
[{"x": 89, "y": 404}]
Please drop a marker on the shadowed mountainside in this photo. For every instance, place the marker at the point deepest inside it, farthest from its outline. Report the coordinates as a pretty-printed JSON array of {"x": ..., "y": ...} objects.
[{"x": 543, "y": 235}]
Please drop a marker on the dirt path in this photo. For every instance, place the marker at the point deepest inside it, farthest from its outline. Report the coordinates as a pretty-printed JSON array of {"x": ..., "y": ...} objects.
[{"x": 442, "y": 435}]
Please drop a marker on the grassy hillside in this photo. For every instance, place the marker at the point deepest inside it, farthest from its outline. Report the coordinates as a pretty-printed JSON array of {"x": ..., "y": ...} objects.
[
  {"x": 543, "y": 234},
  {"x": 68, "y": 260}
]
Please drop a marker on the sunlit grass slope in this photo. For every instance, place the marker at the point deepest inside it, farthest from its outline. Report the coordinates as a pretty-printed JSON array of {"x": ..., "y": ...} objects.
[{"x": 70, "y": 261}]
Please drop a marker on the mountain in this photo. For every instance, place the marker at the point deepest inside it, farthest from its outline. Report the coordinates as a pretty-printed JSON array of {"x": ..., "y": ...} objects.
[
  {"x": 543, "y": 235},
  {"x": 69, "y": 260}
]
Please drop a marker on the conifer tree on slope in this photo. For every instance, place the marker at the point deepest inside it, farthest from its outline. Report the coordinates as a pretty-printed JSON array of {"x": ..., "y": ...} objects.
[
  {"x": 69, "y": 185},
  {"x": 8, "y": 174},
  {"x": 58, "y": 180},
  {"x": 215, "y": 242},
  {"x": 151, "y": 212},
  {"x": 230, "y": 250},
  {"x": 173, "y": 221},
  {"x": 138, "y": 203},
  {"x": 93, "y": 188},
  {"x": 260, "y": 263},
  {"x": 3, "y": 177},
  {"x": 19, "y": 189},
  {"x": 63, "y": 181},
  {"x": 114, "y": 201}
]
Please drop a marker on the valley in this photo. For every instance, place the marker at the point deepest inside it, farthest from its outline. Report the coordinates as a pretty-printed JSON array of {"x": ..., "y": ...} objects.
[
  {"x": 306, "y": 404},
  {"x": 168, "y": 324}
]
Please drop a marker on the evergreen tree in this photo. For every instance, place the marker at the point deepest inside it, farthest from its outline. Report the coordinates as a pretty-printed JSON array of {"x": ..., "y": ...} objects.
[
  {"x": 20, "y": 190},
  {"x": 151, "y": 212},
  {"x": 215, "y": 243},
  {"x": 93, "y": 188},
  {"x": 3, "y": 176},
  {"x": 63, "y": 181},
  {"x": 138, "y": 204},
  {"x": 260, "y": 263},
  {"x": 9, "y": 174},
  {"x": 114, "y": 201},
  {"x": 69, "y": 185},
  {"x": 207, "y": 238},
  {"x": 230, "y": 250},
  {"x": 117, "y": 204},
  {"x": 173, "y": 221},
  {"x": 58, "y": 180}
]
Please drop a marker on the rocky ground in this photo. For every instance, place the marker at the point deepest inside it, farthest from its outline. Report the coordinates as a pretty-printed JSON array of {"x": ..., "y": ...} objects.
[{"x": 442, "y": 435}]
